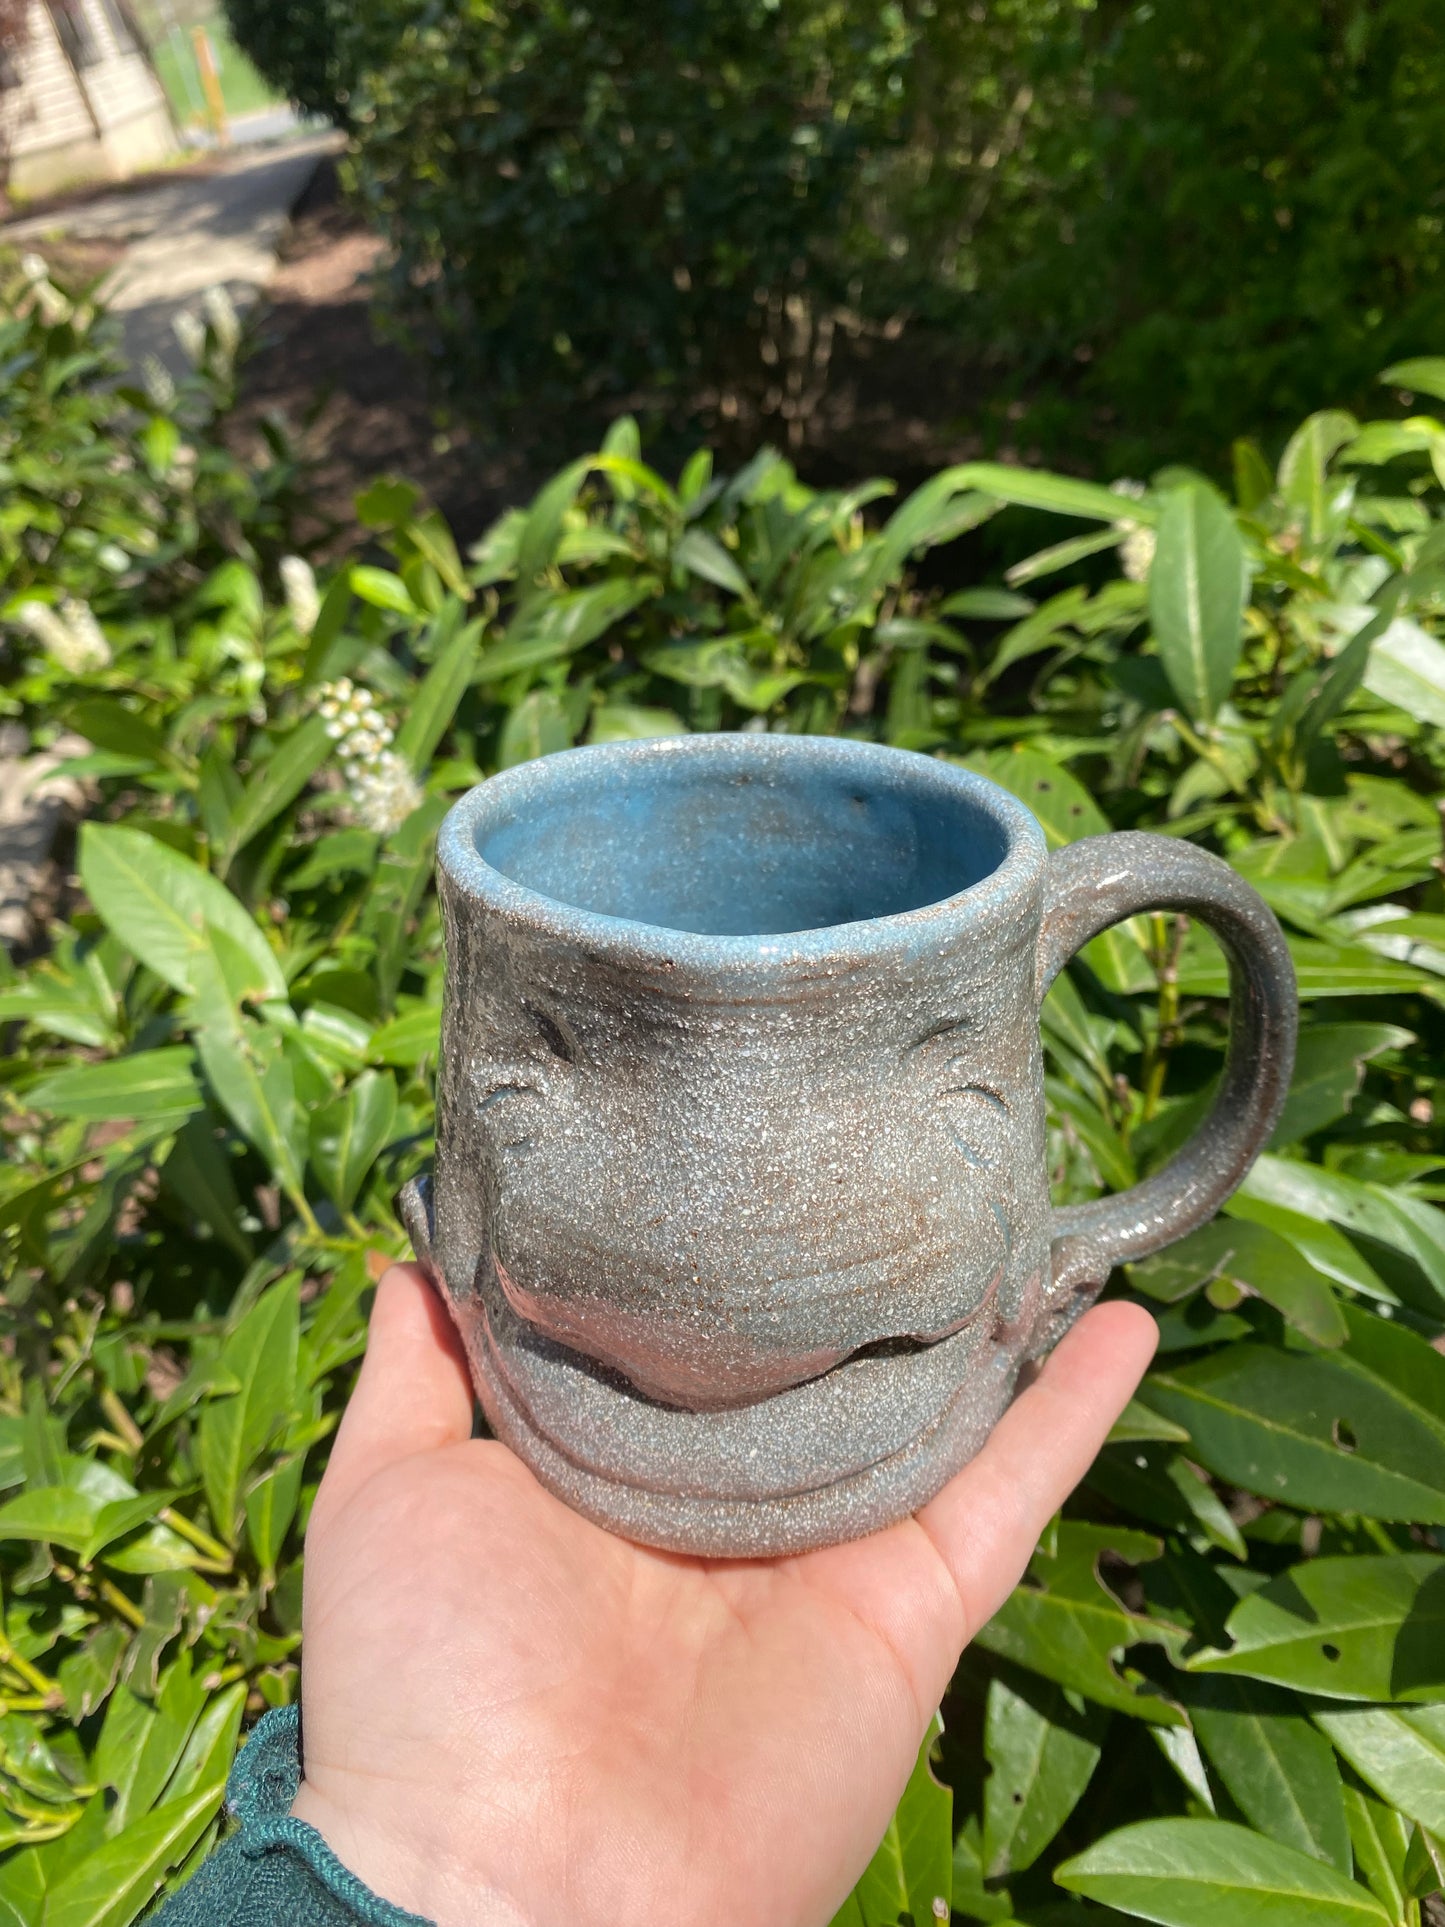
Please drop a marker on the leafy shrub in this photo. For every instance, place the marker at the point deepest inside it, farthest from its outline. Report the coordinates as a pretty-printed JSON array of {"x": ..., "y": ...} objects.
[
  {"x": 1224, "y": 1680},
  {"x": 1151, "y": 233},
  {"x": 305, "y": 51},
  {"x": 1242, "y": 224},
  {"x": 118, "y": 495},
  {"x": 583, "y": 199}
]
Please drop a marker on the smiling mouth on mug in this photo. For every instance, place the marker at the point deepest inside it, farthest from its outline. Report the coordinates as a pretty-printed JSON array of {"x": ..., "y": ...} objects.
[{"x": 669, "y": 1362}]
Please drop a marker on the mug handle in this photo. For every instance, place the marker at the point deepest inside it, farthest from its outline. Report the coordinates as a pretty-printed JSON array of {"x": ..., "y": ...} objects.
[{"x": 1097, "y": 882}]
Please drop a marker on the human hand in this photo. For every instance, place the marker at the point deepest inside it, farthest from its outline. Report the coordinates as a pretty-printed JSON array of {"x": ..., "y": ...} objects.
[{"x": 513, "y": 1719}]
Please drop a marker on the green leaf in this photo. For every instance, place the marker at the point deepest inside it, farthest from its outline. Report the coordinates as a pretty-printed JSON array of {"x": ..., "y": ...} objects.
[
  {"x": 628, "y": 723},
  {"x": 1393, "y": 1220},
  {"x": 434, "y": 542},
  {"x": 912, "y": 1871},
  {"x": 335, "y": 606},
  {"x": 1198, "y": 586},
  {"x": 106, "y": 722},
  {"x": 1064, "y": 808},
  {"x": 1399, "y": 1751},
  {"x": 167, "y": 911},
  {"x": 1165, "y": 1488},
  {"x": 212, "y": 1746},
  {"x": 270, "y": 1507},
  {"x": 1381, "y": 1840},
  {"x": 1279, "y": 1770},
  {"x": 971, "y": 1897},
  {"x": 262, "y": 1355},
  {"x": 1137, "y": 1425},
  {"x": 149, "y": 1085},
  {"x": 1064, "y": 1623},
  {"x": 1256, "y": 1260},
  {"x": 1406, "y": 667},
  {"x": 115, "y": 1881},
  {"x": 381, "y": 589},
  {"x": 1207, "y": 1873},
  {"x": 1424, "y": 1863},
  {"x": 1304, "y": 469},
  {"x": 1313, "y": 1430},
  {"x": 1422, "y": 375},
  {"x": 1371, "y": 1627},
  {"x": 1329, "y": 1068},
  {"x": 140, "y": 1745},
  {"x": 431, "y": 709},
  {"x": 536, "y": 727},
  {"x": 1042, "y": 1752},
  {"x": 1321, "y": 970},
  {"x": 1062, "y": 555},
  {"x": 407, "y": 1039},
  {"x": 349, "y": 1134},
  {"x": 58, "y": 1514},
  {"x": 197, "y": 1176},
  {"x": 386, "y": 502},
  {"x": 88, "y": 1672},
  {"x": 563, "y": 624},
  {"x": 702, "y": 555},
  {"x": 277, "y": 781},
  {"x": 1060, "y": 494},
  {"x": 543, "y": 527},
  {"x": 252, "y": 1077},
  {"x": 986, "y": 605}
]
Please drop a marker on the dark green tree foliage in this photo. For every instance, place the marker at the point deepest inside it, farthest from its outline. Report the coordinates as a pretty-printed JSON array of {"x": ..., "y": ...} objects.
[
  {"x": 584, "y": 198},
  {"x": 1158, "y": 224},
  {"x": 1246, "y": 218},
  {"x": 303, "y": 49}
]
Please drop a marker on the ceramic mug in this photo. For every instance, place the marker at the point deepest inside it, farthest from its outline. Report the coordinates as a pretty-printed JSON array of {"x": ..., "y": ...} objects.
[{"x": 740, "y": 1200}]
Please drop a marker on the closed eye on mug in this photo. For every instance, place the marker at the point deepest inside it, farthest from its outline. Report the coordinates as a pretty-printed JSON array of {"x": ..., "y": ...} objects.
[
  {"x": 556, "y": 1035},
  {"x": 969, "y": 1109},
  {"x": 511, "y": 1127}
]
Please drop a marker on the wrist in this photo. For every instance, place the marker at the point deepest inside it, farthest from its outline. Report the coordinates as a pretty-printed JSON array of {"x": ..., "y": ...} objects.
[{"x": 407, "y": 1874}]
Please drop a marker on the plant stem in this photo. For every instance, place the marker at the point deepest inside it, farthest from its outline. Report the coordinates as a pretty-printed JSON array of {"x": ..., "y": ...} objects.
[
  {"x": 32, "y": 1675},
  {"x": 1157, "y": 1058},
  {"x": 122, "y": 1421},
  {"x": 118, "y": 1603},
  {"x": 202, "y": 1541}
]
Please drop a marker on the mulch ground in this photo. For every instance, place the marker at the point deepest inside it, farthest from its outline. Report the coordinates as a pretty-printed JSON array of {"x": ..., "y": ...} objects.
[
  {"x": 358, "y": 403},
  {"x": 902, "y": 407}
]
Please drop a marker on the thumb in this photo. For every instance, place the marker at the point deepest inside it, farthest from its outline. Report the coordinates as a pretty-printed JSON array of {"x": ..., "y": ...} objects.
[{"x": 413, "y": 1393}]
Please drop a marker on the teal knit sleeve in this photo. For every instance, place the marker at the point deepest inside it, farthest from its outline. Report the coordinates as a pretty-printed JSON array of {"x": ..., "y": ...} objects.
[{"x": 273, "y": 1870}]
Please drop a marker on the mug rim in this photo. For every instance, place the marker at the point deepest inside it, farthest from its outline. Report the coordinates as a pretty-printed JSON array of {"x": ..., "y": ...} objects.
[{"x": 626, "y": 939}]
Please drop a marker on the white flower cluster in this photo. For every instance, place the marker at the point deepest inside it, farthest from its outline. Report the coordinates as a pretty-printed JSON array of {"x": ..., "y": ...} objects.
[
  {"x": 1136, "y": 551},
  {"x": 70, "y": 635},
  {"x": 298, "y": 581},
  {"x": 53, "y": 306},
  {"x": 220, "y": 311},
  {"x": 383, "y": 790},
  {"x": 217, "y": 321},
  {"x": 159, "y": 383},
  {"x": 190, "y": 332}
]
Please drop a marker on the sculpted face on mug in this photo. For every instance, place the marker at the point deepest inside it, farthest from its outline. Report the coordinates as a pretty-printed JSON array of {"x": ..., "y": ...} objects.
[
  {"x": 721, "y": 1211},
  {"x": 741, "y": 1192}
]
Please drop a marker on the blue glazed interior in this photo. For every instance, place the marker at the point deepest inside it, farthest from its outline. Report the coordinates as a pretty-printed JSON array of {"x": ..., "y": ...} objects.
[{"x": 711, "y": 847}]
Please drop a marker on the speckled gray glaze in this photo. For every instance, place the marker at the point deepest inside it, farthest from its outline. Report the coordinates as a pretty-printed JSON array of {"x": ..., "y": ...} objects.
[{"x": 740, "y": 1201}]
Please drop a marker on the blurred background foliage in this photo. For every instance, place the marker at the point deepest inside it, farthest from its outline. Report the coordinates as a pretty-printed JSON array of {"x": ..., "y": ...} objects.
[
  {"x": 1221, "y": 1690},
  {"x": 1133, "y": 230}
]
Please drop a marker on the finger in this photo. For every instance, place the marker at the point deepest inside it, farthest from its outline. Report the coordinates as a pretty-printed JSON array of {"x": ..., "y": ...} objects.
[
  {"x": 986, "y": 1521},
  {"x": 413, "y": 1393}
]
